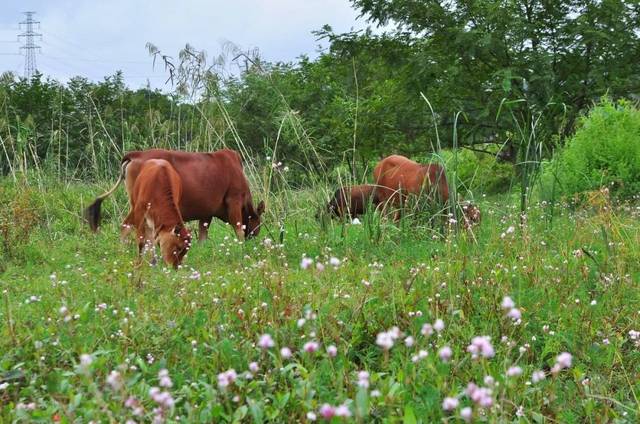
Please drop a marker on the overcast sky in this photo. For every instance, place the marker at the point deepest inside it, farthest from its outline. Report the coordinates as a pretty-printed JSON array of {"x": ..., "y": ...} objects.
[{"x": 95, "y": 38}]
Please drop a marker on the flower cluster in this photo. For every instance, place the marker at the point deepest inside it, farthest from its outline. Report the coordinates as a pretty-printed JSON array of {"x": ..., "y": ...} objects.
[
  {"x": 225, "y": 379},
  {"x": 481, "y": 346},
  {"x": 563, "y": 361},
  {"x": 513, "y": 312},
  {"x": 481, "y": 396},
  {"x": 328, "y": 411},
  {"x": 386, "y": 339}
]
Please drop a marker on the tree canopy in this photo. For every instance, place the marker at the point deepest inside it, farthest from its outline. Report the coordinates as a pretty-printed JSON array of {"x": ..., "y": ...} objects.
[{"x": 469, "y": 72}]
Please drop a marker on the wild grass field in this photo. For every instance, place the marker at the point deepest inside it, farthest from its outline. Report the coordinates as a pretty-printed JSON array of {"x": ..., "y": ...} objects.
[{"x": 525, "y": 320}]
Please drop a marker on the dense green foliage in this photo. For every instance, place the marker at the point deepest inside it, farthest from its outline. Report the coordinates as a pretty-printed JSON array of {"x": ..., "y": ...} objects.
[
  {"x": 605, "y": 151},
  {"x": 513, "y": 74},
  {"x": 68, "y": 127}
]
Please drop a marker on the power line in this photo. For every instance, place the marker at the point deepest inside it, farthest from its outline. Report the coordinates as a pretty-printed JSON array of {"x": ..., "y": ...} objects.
[
  {"x": 30, "y": 48},
  {"x": 75, "y": 48}
]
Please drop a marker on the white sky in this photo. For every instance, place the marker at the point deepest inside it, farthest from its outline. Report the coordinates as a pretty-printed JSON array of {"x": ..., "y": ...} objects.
[{"x": 94, "y": 38}]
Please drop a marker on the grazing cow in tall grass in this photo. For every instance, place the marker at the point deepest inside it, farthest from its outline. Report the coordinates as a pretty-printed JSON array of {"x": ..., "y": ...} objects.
[
  {"x": 397, "y": 177},
  {"x": 213, "y": 185},
  {"x": 352, "y": 201},
  {"x": 155, "y": 195}
]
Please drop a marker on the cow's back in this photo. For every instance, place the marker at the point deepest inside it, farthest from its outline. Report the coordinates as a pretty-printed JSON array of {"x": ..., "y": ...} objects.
[
  {"x": 206, "y": 179},
  {"x": 398, "y": 174},
  {"x": 156, "y": 178}
]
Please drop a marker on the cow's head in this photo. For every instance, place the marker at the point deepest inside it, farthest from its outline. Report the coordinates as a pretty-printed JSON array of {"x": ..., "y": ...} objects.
[
  {"x": 251, "y": 219},
  {"x": 338, "y": 204},
  {"x": 470, "y": 214},
  {"x": 175, "y": 244}
]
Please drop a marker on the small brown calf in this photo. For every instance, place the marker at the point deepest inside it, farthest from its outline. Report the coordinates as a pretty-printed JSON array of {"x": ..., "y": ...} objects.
[{"x": 155, "y": 213}]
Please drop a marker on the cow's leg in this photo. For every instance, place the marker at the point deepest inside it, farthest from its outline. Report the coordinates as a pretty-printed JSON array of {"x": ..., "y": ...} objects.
[
  {"x": 140, "y": 239},
  {"x": 234, "y": 215},
  {"x": 150, "y": 240},
  {"x": 399, "y": 205},
  {"x": 203, "y": 229}
]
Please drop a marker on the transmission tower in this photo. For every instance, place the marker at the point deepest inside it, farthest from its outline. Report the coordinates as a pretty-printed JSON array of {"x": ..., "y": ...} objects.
[{"x": 30, "y": 48}]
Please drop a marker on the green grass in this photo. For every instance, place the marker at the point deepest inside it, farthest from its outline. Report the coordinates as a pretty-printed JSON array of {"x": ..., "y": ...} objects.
[{"x": 206, "y": 318}]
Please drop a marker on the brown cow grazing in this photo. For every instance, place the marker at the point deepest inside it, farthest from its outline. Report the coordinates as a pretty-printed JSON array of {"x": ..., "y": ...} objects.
[
  {"x": 352, "y": 201},
  {"x": 397, "y": 176},
  {"x": 155, "y": 215},
  {"x": 213, "y": 185}
]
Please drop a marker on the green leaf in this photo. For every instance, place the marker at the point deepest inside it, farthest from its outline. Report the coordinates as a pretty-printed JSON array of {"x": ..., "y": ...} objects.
[
  {"x": 506, "y": 81},
  {"x": 256, "y": 411},
  {"x": 409, "y": 415},
  {"x": 362, "y": 403},
  {"x": 282, "y": 399},
  {"x": 240, "y": 413},
  {"x": 537, "y": 417}
]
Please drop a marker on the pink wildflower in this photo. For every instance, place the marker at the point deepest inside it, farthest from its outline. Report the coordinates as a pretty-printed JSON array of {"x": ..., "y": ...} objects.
[
  {"x": 514, "y": 314},
  {"x": 537, "y": 376},
  {"x": 285, "y": 352},
  {"x": 165, "y": 381},
  {"x": 514, "y": 371},
  {"x": 507, "y": 303},
  {"x": 343, "y": 411},
  {"x": 306, "y": 262},
  {"x": 327, "y": 411},
  {"x": 363, "y": 379},
  {"x": 427, "y": 330},
  {"x": 445, "y": 353},
  {"x": 311, "y": 347},
  {"x": 481, "y": 346},
  {"x": 114, "y": 380},
  {"x": 266, "y": 342},
  {"x": 226, "y": 378},
  {"x": 466, "y": 414},
  {"x": 384, "y": 340},
  {"x": 332, "y": 351},
  {"x": 450, "y": 403},
  {"x": 564, "y": 360}
]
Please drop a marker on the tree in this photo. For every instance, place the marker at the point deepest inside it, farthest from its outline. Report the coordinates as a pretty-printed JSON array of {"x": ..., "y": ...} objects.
[{"x": 471, "y": 54}]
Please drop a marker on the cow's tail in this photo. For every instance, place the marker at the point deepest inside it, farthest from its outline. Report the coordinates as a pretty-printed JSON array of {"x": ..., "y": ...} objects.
[{"x": 92, "y": 213}]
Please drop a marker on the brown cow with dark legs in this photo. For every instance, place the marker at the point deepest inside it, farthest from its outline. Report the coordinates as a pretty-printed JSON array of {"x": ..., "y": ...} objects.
[
  {"x": 213, "y": 185},
  {"x": 397, "y": 176},
  {"x": 352, "y": 201},
  {"x": 155, "y": 194}
]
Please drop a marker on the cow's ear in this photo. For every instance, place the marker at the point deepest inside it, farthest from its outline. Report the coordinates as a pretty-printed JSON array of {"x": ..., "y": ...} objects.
[{"x": 260, "y": 208}]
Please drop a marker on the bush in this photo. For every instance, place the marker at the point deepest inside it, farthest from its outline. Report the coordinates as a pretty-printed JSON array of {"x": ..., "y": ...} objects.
[
  {"x": 605, "y": 151},
  {"x": 480, "y": 172},
  {"x": 19, "y": 216}
]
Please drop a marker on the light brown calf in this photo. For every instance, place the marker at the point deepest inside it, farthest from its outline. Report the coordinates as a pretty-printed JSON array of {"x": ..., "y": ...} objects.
[
  {"x": 397, "y": 176},
  {"x": 155, "y": 214}
]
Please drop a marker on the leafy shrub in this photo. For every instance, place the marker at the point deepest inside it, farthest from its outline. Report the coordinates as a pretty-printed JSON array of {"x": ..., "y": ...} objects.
[
  {"x": 19, "y": 215},
  {"x": 605, "y": 151},
  {"x": 479, "y": 172}
]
